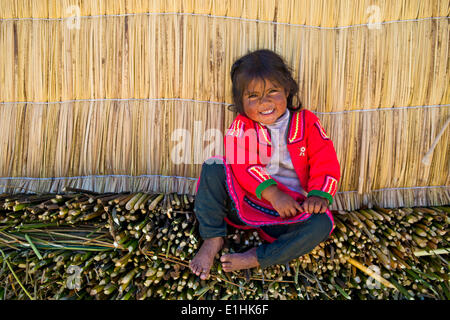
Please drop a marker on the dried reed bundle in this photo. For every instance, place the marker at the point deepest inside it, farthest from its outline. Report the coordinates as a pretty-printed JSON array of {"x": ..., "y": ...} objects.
[
  {"x": 140, "y": 57},
  {"x": 315, "y": 13},
  {"x": 106, "y": 98}
]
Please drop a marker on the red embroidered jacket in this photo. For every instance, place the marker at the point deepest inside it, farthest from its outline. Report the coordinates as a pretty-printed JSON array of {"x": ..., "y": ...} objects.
[{"x": 248, "y": 150}]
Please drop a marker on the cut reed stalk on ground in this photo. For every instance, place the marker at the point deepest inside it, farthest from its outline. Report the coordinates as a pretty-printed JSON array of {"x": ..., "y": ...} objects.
[{"x": 144, "y": 253}]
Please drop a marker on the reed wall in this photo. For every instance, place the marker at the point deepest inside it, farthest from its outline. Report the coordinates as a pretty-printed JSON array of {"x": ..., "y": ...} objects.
[{"x": 96, "y": 94}]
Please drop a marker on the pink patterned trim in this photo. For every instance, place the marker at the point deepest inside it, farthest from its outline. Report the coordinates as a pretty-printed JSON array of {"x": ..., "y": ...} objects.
[
  {"x": 196, "y": 187},
  {"x": 297, "y": 127},
  {"x": 237, "y": 226},
  {"x": 321, "y": 130},
  {"x": 330, "y": 185},
  {"x": 330, "y": 215},
  {"x": 263, "y": 134},
  {"x": 236, "y": 129},
  {"x": 259, "y": 173}
]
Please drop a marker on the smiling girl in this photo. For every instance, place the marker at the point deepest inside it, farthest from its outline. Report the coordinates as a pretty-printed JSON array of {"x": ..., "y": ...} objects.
[{"x": 279, "y": 174}]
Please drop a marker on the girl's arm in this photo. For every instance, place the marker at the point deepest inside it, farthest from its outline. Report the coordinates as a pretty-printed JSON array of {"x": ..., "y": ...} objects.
[{"x": 324, "y": 169}]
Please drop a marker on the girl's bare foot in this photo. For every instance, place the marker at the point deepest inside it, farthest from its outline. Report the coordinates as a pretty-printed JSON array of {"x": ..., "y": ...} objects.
[
  {"x": 202, "y": 262},
  {"x": 238, "y": 261}
]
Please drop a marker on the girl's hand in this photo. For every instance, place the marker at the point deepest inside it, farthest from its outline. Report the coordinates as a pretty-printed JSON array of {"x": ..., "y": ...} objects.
[
  {"x": 283, "y": 203},
  {"x": 315, "y": 204}
]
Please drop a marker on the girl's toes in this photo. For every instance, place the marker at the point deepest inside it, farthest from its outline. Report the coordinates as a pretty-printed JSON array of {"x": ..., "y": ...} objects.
[
  {"x": 195, "y": 269},
  {"x": 204, "y": 275},
  {"x": 226, "y": 266}
]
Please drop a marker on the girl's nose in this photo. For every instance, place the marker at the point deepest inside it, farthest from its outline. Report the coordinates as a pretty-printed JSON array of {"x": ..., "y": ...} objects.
[{"x": 265, "y": 100}]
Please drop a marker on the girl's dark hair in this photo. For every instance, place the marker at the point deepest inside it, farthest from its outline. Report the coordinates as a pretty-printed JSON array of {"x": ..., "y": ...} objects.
[{"x": 261, "y": 64}]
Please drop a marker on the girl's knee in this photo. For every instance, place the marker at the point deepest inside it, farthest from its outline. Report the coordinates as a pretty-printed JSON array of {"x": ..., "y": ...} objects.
[
  {"x": 323, "y": 226},
  {"x": 213, "y": 165},
  {"x": 213, "y": 160},
  {"x": 212, "y": 169}
]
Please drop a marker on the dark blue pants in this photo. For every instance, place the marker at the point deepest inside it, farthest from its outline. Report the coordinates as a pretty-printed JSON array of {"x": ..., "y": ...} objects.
[{"x": 213, "y": 204}]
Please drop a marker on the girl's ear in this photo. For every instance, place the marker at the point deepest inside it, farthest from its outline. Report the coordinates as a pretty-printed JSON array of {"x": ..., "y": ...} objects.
[{"x": 286, "y": 92}]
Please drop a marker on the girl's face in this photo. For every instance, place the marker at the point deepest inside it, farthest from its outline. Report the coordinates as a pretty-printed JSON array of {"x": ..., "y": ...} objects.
[{"x": 264, "y": 101}]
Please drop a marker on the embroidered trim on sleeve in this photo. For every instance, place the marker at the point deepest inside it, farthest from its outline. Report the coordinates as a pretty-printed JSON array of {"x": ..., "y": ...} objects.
[
  {"x": 330, "y": 185},
  {"x": 321, "y": 130},
  {"x": 263, "y": 134},
  {"x": 296, "y": 130},
  {"x": 236, "y": 129},
  {"x": 259, "y": 173}
]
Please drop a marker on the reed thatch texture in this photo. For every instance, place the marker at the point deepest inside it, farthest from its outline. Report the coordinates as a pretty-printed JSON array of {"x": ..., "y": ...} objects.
[
  {"x": 95, "y": 93},
  {"x": 323, "y": 13}
]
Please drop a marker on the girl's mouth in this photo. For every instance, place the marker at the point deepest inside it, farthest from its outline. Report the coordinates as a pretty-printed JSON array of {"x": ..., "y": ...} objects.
[{"x": 265, "y": 113}]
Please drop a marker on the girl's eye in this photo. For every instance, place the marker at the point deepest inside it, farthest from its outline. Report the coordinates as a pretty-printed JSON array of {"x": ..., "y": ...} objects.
[
  {"x": 273, "y": 91},
  {"x": 252, "y": 96}
]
